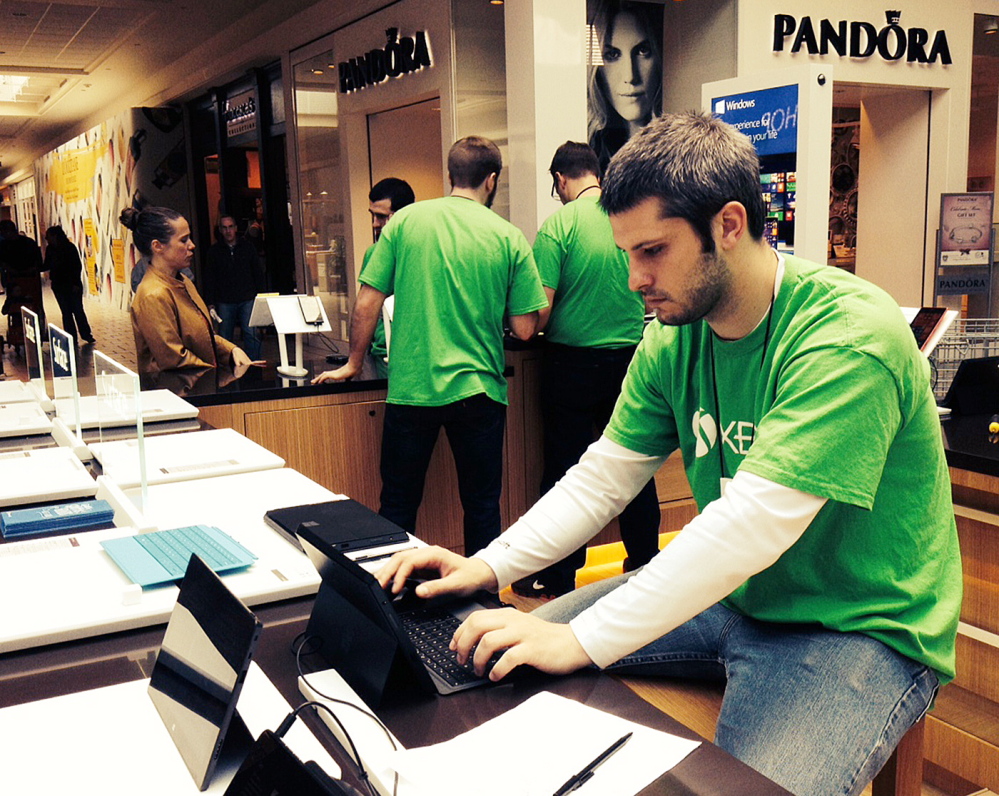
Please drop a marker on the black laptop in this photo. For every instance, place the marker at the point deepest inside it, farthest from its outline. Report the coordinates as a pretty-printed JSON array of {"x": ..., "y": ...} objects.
[
  {"x": 975, "y": 388},
  {"x": 201, "y": 667},
  {"x": 385, "y": 648}
]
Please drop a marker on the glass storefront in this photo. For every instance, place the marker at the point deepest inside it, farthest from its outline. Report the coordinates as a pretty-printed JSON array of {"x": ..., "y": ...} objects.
[{"x": 321, "y": 177}]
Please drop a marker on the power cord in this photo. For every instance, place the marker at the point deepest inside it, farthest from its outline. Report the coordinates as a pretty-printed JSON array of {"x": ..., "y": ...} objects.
[{"x": 298, "y": 644}]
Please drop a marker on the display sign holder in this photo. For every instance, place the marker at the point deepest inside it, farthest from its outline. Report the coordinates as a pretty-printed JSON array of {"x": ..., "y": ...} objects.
[
  {"x": 119, "y": 395},
  {"x": 966, "y": 241},
  {"x": 288, "y": 315},
  {"x": 62, "y": 352},
  {"x": 33, "y": 358}
]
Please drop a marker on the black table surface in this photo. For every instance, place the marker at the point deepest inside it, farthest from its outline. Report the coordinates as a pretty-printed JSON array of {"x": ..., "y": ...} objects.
[{"x": 60, "y": 669}]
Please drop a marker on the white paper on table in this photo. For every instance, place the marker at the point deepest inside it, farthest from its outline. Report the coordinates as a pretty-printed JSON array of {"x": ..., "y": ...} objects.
[{"x": 532, "y": 749}]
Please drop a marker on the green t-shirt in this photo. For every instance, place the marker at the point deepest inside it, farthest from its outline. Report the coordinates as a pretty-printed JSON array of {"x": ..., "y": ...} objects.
[
  {"x": 829, "y": 396},
  {"x": 578, "y": 259},
  {"x": 378, "y": 348},
  {"x": 456, "y": 269}
]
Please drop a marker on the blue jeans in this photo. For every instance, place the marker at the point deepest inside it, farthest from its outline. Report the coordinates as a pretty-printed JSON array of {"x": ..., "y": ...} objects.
[
  {"x": 474, "y": 430},
  {"x": 230, "y": 314},
  {"x": 817, "y": 711}
]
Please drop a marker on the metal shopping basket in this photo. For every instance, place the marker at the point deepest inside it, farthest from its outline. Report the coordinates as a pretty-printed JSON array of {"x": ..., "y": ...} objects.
[{"x": 966, "y": 339}]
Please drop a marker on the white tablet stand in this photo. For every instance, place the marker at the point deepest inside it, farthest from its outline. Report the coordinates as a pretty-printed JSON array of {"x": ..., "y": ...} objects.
[{"x": 286, "y": 314}]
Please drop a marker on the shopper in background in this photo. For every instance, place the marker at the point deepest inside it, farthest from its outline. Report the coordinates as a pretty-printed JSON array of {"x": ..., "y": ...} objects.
[
  {"x": 458, "y": 271},
  {"x": 64, "y": 266},
  {"x": 21, "y": 276},
  {"x": 170, "y": 321},
  {"x": 592, "y": 329},
  {"x": 234, "y": 276}
]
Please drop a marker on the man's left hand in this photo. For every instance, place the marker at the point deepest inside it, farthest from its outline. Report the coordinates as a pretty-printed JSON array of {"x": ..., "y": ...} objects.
[{"x": 547, "y": 646}]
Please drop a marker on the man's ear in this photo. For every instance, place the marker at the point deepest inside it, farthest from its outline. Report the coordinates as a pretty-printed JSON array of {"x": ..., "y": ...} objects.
[{"x": 731, "y": 223}]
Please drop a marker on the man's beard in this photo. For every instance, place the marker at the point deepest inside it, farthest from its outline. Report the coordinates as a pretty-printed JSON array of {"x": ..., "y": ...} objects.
[{"x": 710, "y": 284}]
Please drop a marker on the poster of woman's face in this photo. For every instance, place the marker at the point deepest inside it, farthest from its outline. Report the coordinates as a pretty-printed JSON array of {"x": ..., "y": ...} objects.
[{"x": 625, "y": 71}]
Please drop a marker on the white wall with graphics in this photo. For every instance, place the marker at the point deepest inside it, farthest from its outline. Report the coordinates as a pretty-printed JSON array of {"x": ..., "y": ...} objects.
[{"x": 915, "y": 143}]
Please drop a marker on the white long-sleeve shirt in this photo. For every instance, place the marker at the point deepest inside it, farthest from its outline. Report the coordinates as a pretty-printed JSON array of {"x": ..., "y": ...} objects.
[{"x": 736, "y": 536}]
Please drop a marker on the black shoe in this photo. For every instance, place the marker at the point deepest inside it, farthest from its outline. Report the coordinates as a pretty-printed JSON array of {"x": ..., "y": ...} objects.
[{"x": 89, "y": 340}]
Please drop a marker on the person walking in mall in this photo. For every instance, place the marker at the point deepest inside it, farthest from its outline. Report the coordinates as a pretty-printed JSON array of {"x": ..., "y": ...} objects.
[
  {"x": 457, "y": 271},
  {"x": 591, "y": 331},
  {"x": 234, "y": 277},
  {"x": 64, "y": 266},
  {"x": 21, "y": 277}
]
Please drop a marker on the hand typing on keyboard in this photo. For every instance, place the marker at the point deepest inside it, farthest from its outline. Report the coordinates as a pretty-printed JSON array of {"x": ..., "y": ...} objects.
[{"x": 519, "y": 639}]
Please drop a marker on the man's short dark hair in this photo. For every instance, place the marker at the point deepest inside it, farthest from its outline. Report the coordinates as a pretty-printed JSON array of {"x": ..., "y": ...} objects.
[
  {"x": 395, "y": 190},
  {"x": 471, "y": 160},
  {"x": 8, "y": 227},
  {"x": 694, "y": 164},
  {"x": 575, "y": 160}
]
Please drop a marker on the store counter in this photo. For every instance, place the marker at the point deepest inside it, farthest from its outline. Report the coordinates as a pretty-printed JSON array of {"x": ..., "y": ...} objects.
[{"x": 962, "y": 731}]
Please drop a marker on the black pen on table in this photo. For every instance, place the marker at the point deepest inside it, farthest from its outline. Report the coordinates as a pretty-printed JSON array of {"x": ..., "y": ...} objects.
[{"x": 576, "y": 780}]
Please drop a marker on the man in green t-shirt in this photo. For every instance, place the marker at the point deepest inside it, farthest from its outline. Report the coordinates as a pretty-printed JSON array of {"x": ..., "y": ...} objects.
[
  {"x": 821, "y": 581},
  {"x": 457, "y": 271},
  {"x": 591, "y": 332},
  {"x": 385, "y": 198}
]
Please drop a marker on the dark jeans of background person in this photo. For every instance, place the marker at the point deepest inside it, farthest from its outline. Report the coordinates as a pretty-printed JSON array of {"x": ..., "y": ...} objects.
[
  {"x": 474, "y": 428},
  {"x": 579, "y": 387},
  {"x": 74, "y": 319},
  {"x": 240, "y": 312}
]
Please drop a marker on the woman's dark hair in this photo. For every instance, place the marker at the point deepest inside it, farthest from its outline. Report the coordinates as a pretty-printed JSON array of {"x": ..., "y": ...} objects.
[
  {"x": 57, "y": 235},
  {"x": 149, "y": 224}
]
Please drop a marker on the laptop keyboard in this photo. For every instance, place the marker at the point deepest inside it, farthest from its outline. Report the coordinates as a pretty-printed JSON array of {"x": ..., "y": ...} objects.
[
  {"x": 431, "y": 630},
  {"x": 172, "y": 549}
]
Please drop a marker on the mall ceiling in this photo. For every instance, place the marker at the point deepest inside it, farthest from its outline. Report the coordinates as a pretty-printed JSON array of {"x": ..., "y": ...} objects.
[{"x": 78, "y": 60}]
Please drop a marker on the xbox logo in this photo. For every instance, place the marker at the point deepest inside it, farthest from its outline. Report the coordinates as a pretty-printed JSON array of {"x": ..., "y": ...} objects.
[{"x": 705, "y": 432}]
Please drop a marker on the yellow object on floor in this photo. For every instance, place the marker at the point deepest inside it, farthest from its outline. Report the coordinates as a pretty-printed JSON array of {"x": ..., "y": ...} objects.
[{"x": 607, "y": 560}]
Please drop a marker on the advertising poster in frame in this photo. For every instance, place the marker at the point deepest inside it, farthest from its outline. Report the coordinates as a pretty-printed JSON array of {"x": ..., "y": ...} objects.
[
  {"x": 965, "y": 229},
  {"x": 624, "y": 71}
]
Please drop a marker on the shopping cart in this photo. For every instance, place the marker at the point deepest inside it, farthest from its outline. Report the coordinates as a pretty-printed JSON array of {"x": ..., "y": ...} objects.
[{"x": 968, "y": 338}]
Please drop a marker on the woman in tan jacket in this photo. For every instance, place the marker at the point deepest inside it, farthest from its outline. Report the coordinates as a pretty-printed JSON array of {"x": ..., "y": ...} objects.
[{"x": 170, "y": 321}]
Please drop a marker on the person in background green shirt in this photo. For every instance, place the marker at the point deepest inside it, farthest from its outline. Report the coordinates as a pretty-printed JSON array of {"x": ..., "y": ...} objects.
[
  {"x": 384, "y": 199},
  {"x": 591, "y": 332},
  {"x": 457, "y": 271}
]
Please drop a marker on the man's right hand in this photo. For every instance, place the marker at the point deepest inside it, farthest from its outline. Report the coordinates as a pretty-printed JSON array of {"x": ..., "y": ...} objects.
[
  {"x": 343, "y": 373},
  {"x": 458, "y": 575}
]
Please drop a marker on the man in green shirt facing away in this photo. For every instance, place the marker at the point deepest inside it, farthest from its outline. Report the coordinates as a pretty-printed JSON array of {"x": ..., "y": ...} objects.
[
  {"x": 591, "y": 332},
  {"x": 457, "y": 270}
]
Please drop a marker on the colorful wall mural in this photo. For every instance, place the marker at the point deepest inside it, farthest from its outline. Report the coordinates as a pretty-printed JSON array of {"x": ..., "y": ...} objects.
[{"x": 136, "y": 157}]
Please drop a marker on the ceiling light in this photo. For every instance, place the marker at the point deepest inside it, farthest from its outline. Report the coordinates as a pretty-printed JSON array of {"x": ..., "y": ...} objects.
[
  {"x": 991, "y": 26},
  {"x": 317, "y": 71},
  {"x": 11, "y": 86}
]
